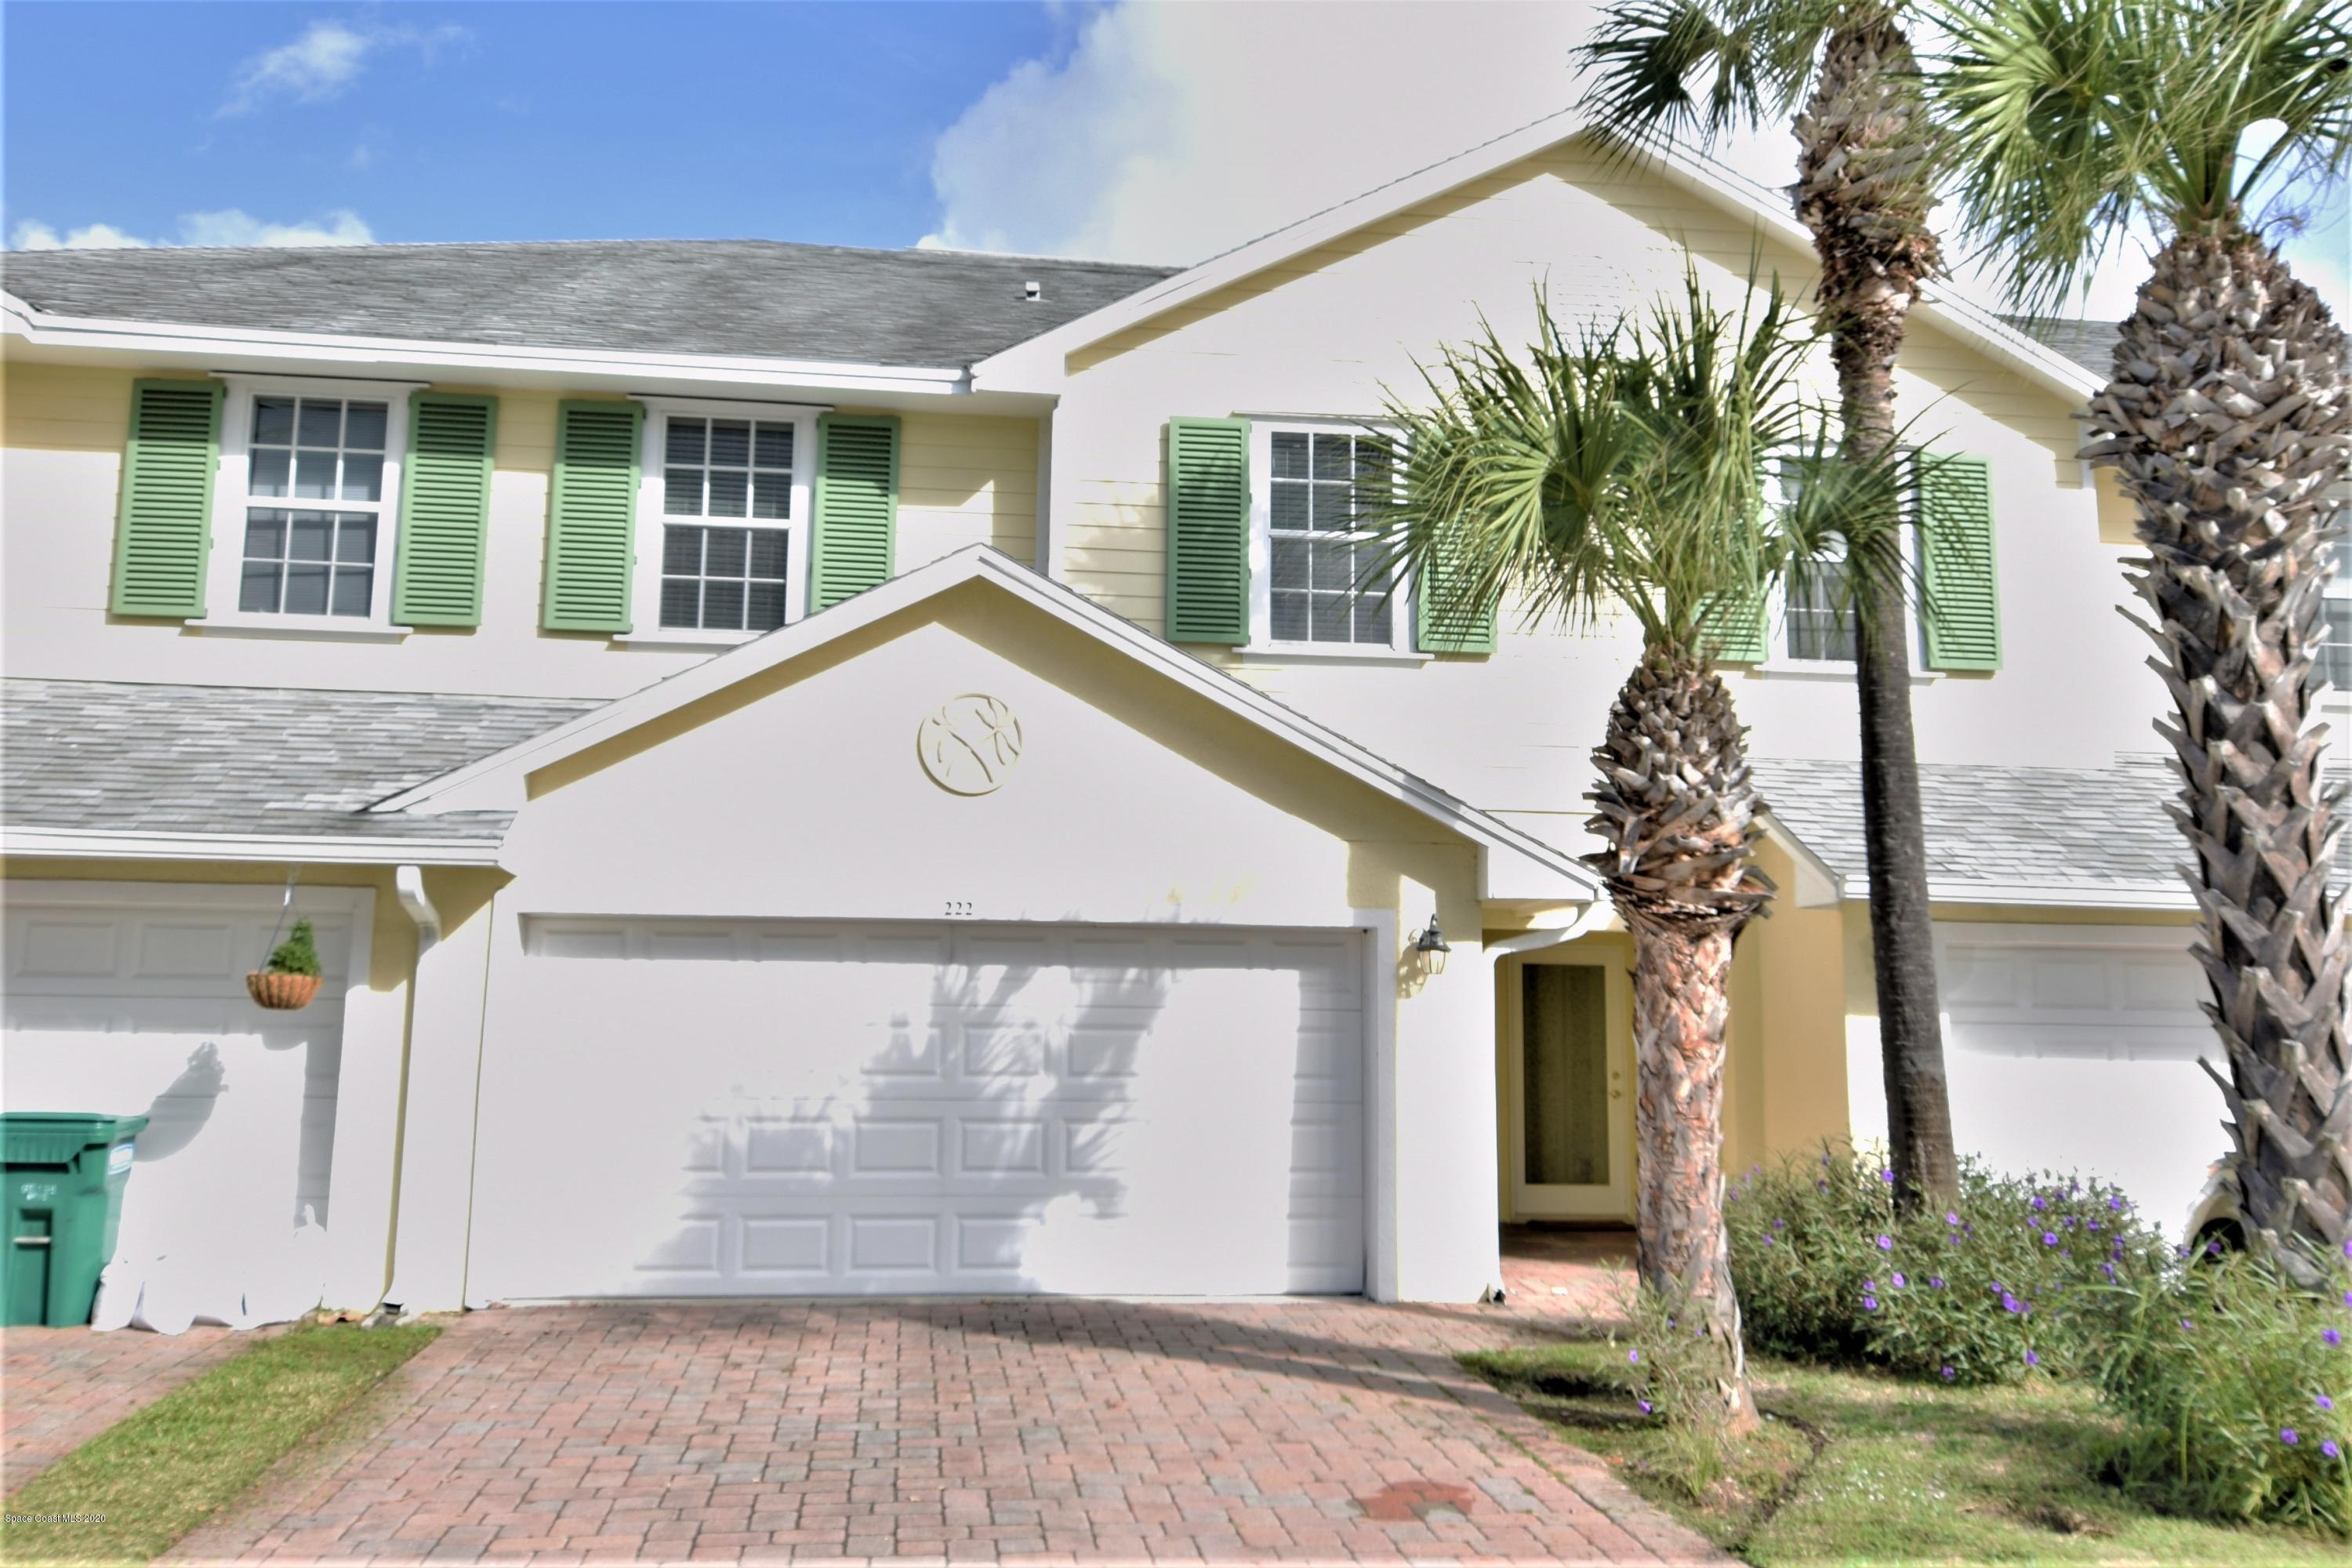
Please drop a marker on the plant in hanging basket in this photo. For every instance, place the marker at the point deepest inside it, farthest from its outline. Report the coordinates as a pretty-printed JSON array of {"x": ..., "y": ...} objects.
[{"x": 291, "y": 978}]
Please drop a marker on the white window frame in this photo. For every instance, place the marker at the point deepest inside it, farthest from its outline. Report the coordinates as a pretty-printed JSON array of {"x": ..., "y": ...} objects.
[
  {"x": 224, "y": 558},
  {"x": 1779, "y": 660},
  {"x": 645, "y": 569},
  {"x": 2335, "y": 607},
  {"x": 1400, "y": 647}
]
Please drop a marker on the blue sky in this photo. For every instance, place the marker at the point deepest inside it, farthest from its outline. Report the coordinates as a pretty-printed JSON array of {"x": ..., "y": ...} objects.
[
  {"x": 1131, "y": 131},
  {"x": 499, "y": 121}
]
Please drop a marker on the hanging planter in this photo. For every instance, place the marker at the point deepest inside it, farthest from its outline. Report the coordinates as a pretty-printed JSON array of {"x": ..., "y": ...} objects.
[{"x": 291, "y": 978}]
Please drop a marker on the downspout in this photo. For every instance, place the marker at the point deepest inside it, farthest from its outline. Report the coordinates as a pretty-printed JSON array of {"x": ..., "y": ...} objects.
[{"x": 408, "y": 886}]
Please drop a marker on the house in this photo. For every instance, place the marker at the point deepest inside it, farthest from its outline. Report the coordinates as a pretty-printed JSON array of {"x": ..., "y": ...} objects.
[{"x": 832, "y": 771}]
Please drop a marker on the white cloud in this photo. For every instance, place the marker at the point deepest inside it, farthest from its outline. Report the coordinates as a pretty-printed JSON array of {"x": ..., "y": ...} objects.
[
  {"x": 32, "y": 236},
  {"x": 324, "y": 60},
  {"x": 1169, "y": 133},
  {"x": 227, "y": 227}
]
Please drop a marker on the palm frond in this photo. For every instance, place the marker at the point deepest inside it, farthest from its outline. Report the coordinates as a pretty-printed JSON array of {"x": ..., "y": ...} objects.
[
  {"x": 1700, "y": 69},
  {"x": 2069, "y": 121}
]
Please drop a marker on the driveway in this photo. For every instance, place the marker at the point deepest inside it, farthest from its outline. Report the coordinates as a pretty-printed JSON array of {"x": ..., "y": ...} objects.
[
  {"x": 64, "y": 1386},
  {"x": 1034, "y": 1430}
]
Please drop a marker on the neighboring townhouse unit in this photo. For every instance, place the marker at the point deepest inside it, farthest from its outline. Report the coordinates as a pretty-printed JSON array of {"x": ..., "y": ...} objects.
[{"x": 835, "y": 771}]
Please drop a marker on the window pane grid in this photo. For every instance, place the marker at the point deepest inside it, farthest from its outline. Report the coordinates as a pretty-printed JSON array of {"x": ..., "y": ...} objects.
[
  {"x": 317, "y": 449},
  {"x": 727, "y": 468},
  {"x": 308, "y": 563},
  {"x": 1324, "y": 586},
  {"x": 722, "y": 579},
  {"x": 1820, "y": 620},
  {"x": 2334, "y": 664}
]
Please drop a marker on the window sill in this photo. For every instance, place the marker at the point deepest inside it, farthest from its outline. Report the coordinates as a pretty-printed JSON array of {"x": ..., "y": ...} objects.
[
  {"x": 304, "y": 628},
  {"x": 1309, "y": 653},
  {"x": 693, "y": 642},
  {"x": 1825, "y": 670}
]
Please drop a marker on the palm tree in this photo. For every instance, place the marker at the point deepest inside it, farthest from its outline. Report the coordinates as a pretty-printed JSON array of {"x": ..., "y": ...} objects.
[
  {"x": 2074, "y": 123},
  {"x": 1704, "y": 68},
  {"x": 1629, "y": 470}
]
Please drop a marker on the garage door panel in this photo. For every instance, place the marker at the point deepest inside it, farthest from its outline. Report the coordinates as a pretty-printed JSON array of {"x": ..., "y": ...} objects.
[
  {"x": 138, "y": 1007},
  {"x": 2076, "y": 1048},
  {"x": 962, "y": 1109}
]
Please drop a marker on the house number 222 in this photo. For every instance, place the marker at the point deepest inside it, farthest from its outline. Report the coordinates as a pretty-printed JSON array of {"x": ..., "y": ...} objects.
[{"x": 959, "y": 909}]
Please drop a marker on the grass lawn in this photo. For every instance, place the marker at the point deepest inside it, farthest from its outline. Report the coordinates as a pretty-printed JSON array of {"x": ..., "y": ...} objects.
[
  {"x": 1862, "y": 1468},
  {"x": 160, "y": 1472}
]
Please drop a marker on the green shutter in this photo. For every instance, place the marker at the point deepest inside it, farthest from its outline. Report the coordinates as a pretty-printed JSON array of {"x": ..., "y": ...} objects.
[
  {"x": 164, "y": 526},
  {"x": 1734, "y": 630},
  {"x": 1962, "y": 613},
  {"x": 591, "y": 510},
  {"x": 445, "y": 510},
  {"x": 1208, "y": 530},
  {"x": 1447, "y": 621},
  {"x": 854, "y": 534}
]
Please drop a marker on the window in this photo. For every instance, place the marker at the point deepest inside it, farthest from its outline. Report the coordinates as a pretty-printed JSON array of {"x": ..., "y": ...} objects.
[
  {"x": 307, "y": 503},
  {"x": 727, "y": 486},
  {"x": 2335, "y": 661},
  {"x": 1812, "y": 620},
  {"x": 1317, "y": 582}
]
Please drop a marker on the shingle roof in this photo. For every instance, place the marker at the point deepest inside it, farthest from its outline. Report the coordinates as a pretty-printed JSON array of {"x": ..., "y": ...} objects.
[
  {"x": 2091, "y": 344},
  {"x": 114, "y": 757},
  {"x": 754, "y": 297},
  {"x": 2099, "y": 830}
]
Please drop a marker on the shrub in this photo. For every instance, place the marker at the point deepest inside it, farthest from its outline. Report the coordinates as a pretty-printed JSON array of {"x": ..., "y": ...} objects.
[
  {"x": 2009, "y": 1279},
  {"x": 2237, "y": 1401},
  {"x": 298, "y": 955}
]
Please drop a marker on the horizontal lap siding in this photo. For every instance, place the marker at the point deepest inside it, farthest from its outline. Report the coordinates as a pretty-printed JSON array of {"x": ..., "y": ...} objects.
[{"x": 964, "y": 480}]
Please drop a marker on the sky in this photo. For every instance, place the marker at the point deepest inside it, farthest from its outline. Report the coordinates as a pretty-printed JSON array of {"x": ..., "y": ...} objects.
[{"x": 1133, "y": 131}]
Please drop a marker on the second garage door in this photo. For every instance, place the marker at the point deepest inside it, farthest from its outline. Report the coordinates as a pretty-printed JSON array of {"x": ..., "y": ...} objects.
[{"x": 698, "y": 1108}]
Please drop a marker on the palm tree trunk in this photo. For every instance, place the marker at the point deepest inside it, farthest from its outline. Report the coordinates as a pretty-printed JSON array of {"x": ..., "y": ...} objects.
[
  {"x": 1677, "y": 807},
  {"x": 1861, "y": 190},
  {"x": 2228, "y": 419}
]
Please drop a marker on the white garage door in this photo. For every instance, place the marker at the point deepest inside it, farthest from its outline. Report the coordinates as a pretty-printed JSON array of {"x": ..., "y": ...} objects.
[
  {"x": 135, "y": 1003},
  {"x": 684, "y": 1107},
  {"x": 2076, "y": 1048}
]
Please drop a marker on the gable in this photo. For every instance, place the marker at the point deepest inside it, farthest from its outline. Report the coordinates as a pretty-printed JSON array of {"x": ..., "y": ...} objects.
[{"x": 833, "y": 704}]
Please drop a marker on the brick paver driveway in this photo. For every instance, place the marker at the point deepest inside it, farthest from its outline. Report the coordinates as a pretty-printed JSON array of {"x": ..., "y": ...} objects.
[
  {"x": 61, "y": 1388},
  {"x": 1036, "y": 1431}
]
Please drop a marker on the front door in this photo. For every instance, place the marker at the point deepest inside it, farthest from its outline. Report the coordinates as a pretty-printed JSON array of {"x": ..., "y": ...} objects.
[{"x": 1572, "y": 1132}]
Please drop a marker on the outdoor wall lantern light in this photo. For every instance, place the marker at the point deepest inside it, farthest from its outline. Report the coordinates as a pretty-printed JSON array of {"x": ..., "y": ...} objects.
[{"x": 1432, "y": 947}]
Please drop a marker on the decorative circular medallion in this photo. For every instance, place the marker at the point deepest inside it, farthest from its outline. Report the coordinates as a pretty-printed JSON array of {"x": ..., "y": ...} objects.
[{"x": 969, "y": 744}]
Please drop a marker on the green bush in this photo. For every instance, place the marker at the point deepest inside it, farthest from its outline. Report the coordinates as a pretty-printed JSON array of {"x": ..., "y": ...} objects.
[
  {"x": 2236, "y": 1390},
  {"x": 1672, "y": 1372},
  {"x": 298, "y": 955},
  {"x": 2010, "y": 1278}
]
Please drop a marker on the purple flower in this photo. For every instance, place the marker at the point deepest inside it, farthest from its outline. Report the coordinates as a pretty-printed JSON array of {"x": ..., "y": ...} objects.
[
  {"x": 1886, "y": 1244},
  {"x": 2347, "y": 1297},
  {"x": 2032, "y": 1359},
  {"x": 2038, "y": 1203},
  {"x": 1935, "y": 1281},
  {"x": 2212, "y": 1249},
  {"x": 1768, "y": 1241},
  {"x": 1779, "y": 1224},
  {"x": 2110, "y": 1269},
  {"x": 2327, "y": 1447},
  {"x": 2186, "y": 1324},
  {"x": 1899, "y": 1280},
  {"x": 2333, "y": 1336},
  {"x": 1870, "y": 1303},
  {"x": 1886, "y": 1176},
  {"x": 1948, "y": 1374},
  {"x": 2348, "y": 1247},
  {"x": 2010, "y": 1303},
  {"x": 1950, "y": 1218},
  {"x": 1634, "y": 1355},
  {"x": 1644, "y": 1405},
  {"x": 2322, "y": 1402},
  {"x": 2289, "y": 1436},
  {"x": 2049, "y": 1238},
  {"x": 2115, "y": 1203}
]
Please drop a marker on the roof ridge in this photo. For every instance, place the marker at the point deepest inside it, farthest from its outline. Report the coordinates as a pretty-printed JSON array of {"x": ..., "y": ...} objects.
[
  {"x": 379, "y": 246},
  {"x": 514, "y": 699}
]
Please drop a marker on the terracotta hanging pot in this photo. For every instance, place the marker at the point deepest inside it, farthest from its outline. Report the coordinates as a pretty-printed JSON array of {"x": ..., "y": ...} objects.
[{"x": 283, "y": 991}]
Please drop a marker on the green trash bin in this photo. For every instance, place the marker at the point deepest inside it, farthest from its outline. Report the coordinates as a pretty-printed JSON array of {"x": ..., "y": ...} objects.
[{"x": 66, "y": 1174}]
